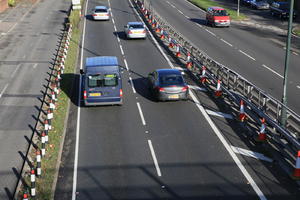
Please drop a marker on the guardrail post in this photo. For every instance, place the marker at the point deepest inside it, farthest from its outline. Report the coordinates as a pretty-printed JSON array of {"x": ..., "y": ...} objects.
[
  {"x": 38, "y": 162},
  {"x": 32, "y": 180}
]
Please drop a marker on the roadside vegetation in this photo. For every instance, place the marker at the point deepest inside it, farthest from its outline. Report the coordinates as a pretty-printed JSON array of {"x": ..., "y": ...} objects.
[
  {"x": 44, "y": 185},
  {"x": 11, "y": 3},
  {"x": 204, "y": 4},
  {"x": 296, "y": 31}
]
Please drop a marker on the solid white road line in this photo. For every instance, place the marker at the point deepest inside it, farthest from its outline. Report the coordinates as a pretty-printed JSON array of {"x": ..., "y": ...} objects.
[
  {"x": 15, "y": 71},
  {"x": 4, "y": 89},
  {"x": 141, "y": 113},
  {"x": 154, "y": 158},
  {"x": 199, "y": 25},
  {"x": 228, "y": 148},
  {"x": 226, "y": 42},
  {"x": 252, "y": 154},
  {"x": 246, "y": 54},
  {"x": 132, "y": 85},
  {"x": 78, "y": 115},
  {"x": 126, "y": 65},
  {"x": 273, "y": 71},
  {"x": 219, "y": 114}
]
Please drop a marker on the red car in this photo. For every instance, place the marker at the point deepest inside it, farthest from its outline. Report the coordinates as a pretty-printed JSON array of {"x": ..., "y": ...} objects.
[{"x": 217, "y": 16}]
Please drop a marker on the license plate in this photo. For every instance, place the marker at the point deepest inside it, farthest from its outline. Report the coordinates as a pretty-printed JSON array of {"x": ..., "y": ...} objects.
[
  {"x": 95, "y": 94},
  {"x": 174, "y": 96}
]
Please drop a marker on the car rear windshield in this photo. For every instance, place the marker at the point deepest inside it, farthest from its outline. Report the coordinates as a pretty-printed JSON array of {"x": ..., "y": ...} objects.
[
  {"x": 220, "y": 13},
  {"x": 172, "y": 79},
  {"x": 100, "y": 11},
  {"x": 100, "y": 80},
  {"x": 136, "y": 26}
]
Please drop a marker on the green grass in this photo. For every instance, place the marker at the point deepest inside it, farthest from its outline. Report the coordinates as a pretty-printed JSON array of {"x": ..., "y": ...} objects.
[
  {"x": 204, "y": 4},
  {"x": 296, "y": 31},
  {"x": 49, "y": 162},
  {"x": 11, "y": 3}
]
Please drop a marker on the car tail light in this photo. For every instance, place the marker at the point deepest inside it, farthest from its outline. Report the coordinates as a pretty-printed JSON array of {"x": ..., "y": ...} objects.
[
  {"x": 185, "y": 88},
  {"x": 144, "y": 31},
  {"x": 106, "y": 14},
  {"x": 160, "y": 89},
  {"x": 129, "y": 32},
  {"x": 94, "y": 15},
  {"x": 84, "y": 94},
  {"x": 121, "y": 93}
]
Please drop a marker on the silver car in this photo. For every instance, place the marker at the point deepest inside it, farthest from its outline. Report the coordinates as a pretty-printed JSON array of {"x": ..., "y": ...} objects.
[
  {"x": 101, "y": 13},
  {"x": 168, "y": 84},
  {"x": 135, "y": 30},
  {"x": 260, "y": 4}
]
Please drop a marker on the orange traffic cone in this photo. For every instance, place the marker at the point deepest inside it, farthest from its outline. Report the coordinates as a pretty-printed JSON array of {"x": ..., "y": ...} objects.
[
  {"x": 242, "y": 115},
  {"x": 203, "y": 76},
  {"x": 218, "y": 91},
  {"x": 162, "y": 36},
  {"x": 262, "y": 133},
  {"x": 178, "y": 54},
  {"x": 297, "y": 167}
]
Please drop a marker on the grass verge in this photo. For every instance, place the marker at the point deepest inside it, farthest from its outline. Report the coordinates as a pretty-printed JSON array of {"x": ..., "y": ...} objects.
[
  {"x": 44, "y": 190},
  {"x": 296, "y": 31},
  {"x": 204, "y": 4}
]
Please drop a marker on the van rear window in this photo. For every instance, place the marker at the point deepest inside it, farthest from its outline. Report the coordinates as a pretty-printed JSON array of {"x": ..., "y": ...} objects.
[
  {"x": 220, "y": 13},
  {"x": 100, "y": 80}
]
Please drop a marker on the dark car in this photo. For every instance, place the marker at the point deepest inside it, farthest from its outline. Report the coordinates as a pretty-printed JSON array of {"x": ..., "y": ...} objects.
[
  {"x": 168, "y": 84},
  {"x": 281, "y": 9}
]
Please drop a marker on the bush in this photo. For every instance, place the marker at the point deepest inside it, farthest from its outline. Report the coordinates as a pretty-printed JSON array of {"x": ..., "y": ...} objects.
[{"x": 11, "y": 3}]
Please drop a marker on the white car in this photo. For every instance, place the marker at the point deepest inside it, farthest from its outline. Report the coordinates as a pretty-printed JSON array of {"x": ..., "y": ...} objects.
[
  {"x": 135, "y": 30},
  {"x": 101, "y": 13}
]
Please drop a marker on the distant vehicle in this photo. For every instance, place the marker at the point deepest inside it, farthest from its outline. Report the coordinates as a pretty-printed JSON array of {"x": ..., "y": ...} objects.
[
  {"x": 135, "y": 30},
  {"x": 246, "y": 2},
  {"x": 281, "y": 9},
  {"x": 101, "y": 13},
  {"x": 168, "y": 84},
  {"x": 217, "y": 16},
  {"x": 101, "y": 81},
  {"x": 260, "y": 4}
]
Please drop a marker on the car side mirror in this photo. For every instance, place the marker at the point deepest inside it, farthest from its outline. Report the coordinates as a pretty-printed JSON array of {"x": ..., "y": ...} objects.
[{"x": 81, "y": 71}]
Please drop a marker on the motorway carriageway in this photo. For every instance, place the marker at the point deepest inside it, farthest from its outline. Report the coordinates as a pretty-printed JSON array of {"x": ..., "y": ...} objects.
[
  {"x": 155, "y": 150},
  {"x": 255, "y": 55}
]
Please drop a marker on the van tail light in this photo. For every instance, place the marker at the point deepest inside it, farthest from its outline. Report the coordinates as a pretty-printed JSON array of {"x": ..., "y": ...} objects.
[
  {"x": 121, "y": 93},
  {"x": 185, "y": 88},
  {"x": 84, "y": 94}
]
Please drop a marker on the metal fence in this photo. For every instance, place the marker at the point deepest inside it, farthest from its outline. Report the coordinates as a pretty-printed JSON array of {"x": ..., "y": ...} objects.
[{"x": 236, "y": 87}]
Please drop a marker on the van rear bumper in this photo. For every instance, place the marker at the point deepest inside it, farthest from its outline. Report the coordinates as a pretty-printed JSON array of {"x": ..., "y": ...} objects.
[{"x": 99, "y": 102}]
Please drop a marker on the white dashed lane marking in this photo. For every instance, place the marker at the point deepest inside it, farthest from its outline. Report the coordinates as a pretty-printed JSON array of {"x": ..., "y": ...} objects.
[
  {"x": 14, "y": 73},
  {"x": 226, "y": 42},
  {"x": 126, "y": 65},
  {"x": 246, "y": 55},
  {"x": 252, "y": 154},
  {"x": 298, "y": 86},
  {"x": 210, "y": 32},
  {"x": 154, "y": 158},
  {"x": 4, "y": 89},
  {"x": 122, "y": 50},
  {"x": 132, "y": 85},
  {"x": 141, "y": 113},
  {"x": 272, "y": 71}
]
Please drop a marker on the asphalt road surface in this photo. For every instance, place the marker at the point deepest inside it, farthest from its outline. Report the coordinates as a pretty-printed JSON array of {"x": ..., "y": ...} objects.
[
  {"x": 29, "y": 35},
  {"x": 255, "y": 54},
  {"x": 157, "y": 150}
]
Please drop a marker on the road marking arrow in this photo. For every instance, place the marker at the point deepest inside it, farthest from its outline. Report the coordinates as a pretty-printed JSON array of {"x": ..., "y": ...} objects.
[
  {"x": 252, "y": 154},
  {"x": 219, "y": 114}
]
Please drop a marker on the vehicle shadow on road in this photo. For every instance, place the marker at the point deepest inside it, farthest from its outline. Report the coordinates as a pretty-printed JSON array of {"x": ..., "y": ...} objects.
[
  {"x": 141, "y": 86},
  {"x": 120, "y": 34},
  {"x": 70, "y": 86},
  {"x": 198, "y": 21}
]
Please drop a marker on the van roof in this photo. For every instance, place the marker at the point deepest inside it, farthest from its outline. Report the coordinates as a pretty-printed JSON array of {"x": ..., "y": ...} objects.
[
  {"x": 101, "y": 64},
  {"x": 101, "y": 60}
]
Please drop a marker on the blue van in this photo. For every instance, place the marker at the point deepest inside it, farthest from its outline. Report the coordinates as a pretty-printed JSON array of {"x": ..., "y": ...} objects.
[{"x": 101, "y": 81}]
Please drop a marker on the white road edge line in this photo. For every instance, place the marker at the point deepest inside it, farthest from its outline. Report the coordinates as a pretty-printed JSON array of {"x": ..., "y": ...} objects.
[
  {"x": 226, "y": 42},
  {"x": 256, "y": 155},
  {"x": 246, "y": 54},
  {"x": 4, "y": 89},
  {"x": 228, "y": 148},
  {"x": 78, "y": 116},
  {"x": 153, "y": 39},
  {"x": 132, "y": 85},
  {"x": 141, "y": 113},
  {"x": 217, "y": 132},
  {"x": 273, "y": 71},
  {"x": 154, "y": 158}
]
